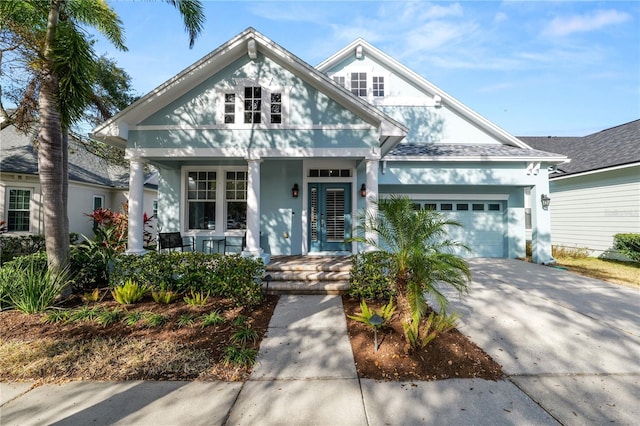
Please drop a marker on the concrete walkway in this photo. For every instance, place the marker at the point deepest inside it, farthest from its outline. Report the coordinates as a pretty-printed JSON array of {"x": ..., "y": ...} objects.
[{"x": 569, "y": 344}]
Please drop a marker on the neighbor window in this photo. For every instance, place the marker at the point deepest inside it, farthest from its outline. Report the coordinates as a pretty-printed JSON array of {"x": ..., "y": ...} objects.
[
  {"x": 18, "y": 211},
  {"x": 446, "y": 206},
  {"x": 155, "y": 208},
  {"x": 359, "y": 83},
  {"x": 430, "y": 206},
  {"x": 236, "y": 197},
  {"x": 462, "y": 207},
  {"x": 229, "y": 108},
  {"x": 252, "y": 104},
  {"x": 378, "y": 86},
  {"x": 478, "y": 207},
  {"x": 201, "y": 199},
  {"x": 339, "y": 80},
  {"x": 98, "y": 202}
]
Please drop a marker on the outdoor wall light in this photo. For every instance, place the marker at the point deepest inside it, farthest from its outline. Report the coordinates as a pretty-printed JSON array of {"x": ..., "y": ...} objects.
[
  {"x": 363, "y": 190},
  {"x": 545, "y": 200},
  {"x": 295, "y": 190}
]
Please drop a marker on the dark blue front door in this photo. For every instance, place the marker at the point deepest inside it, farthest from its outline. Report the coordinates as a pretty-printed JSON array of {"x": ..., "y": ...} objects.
[{"x": 329, "y": 216}]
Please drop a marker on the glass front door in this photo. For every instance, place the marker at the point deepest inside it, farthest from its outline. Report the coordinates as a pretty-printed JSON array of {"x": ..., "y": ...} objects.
[{"x": 329, "y": 216}]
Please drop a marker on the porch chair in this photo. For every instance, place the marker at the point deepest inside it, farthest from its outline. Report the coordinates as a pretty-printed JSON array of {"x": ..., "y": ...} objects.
[
  {"x": 174, "y": 240},
  {"x": 237, "y": 243}
]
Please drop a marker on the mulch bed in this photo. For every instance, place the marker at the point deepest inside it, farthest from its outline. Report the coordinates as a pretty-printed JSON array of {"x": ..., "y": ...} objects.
[{"x": 452, "y": 355}]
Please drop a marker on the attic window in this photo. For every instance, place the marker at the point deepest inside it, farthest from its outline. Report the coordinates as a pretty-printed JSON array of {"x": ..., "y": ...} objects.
[
  {"x": 378, "y": 86},
  {"x": 252, "y": 104},
  {"x": 229, "y": 108},
  {"x": 339, "y": 80},
  {"x": 276, "y": 108},
  {"x": 359, "y": 83}
]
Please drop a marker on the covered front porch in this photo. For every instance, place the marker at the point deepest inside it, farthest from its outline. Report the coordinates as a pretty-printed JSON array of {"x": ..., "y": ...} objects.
[{"x": 260, "y": 205}]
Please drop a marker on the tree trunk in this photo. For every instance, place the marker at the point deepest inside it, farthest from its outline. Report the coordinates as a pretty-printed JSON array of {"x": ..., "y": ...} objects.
[
  {"x": 51, "y": 167},
  {"x": 404, "y": 309}
]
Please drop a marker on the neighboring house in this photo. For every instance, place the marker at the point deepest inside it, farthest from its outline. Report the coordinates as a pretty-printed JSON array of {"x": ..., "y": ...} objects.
[
  {"x": 93, "y": 183},
  {"x": 597, "y": 194},
  {"x": 251, "y": 140}
]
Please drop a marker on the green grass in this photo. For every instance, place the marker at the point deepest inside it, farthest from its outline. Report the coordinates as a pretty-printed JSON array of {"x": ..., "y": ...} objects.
[{"x": 614, "y": 271}]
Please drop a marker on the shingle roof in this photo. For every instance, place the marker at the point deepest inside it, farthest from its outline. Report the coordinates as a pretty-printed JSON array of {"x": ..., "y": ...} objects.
[
  {"x": 612, "y": 147},
  {"x": 494, "y": 151},
  {"x": 18, "y": 155}
]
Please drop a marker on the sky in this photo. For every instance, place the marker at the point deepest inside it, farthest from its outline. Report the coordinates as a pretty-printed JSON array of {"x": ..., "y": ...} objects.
[{"x": 534, "y": 68}]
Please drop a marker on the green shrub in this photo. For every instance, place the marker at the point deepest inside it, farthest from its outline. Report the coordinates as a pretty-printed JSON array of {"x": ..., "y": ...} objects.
[
  {"x": 88, "y": 269},
  {"x": 212, "y": 318},
  {"x": 155, "y": 320},
  {"x": 628, "y": 245},
  {"x": 128, "y": 293},
  {"x": 164, "y": 297},
  {"x": 15, "y": 246},
  {"x": 244, "y": 335},
  {"x": 27, "y": 285},
  {"x": 239, "y": 357},
  {"x": 370, "y": 278},
  {"x": 233, "y": 277},
  {"x": 421, "y": 332}
]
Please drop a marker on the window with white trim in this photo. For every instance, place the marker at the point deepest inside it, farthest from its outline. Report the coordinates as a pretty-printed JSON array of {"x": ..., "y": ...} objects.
[
  {"x": 276, "y": 108},
  {"x": 229, "y": 108},
  {"x": 236, "y": 199},
  {"x": 155, "y": 208},
  {"x": 340, "y": 80},
  {"x": 201, "y": 200},
  {"x": 252, "y": 104},
  {"x": 18, "y": 211},
  {"x": 378, "y": 86},
  {"x": 359, "y": 83},
  {"x": 98, "y": 202}
]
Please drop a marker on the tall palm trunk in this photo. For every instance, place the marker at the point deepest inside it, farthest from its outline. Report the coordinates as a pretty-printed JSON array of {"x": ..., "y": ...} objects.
[{"x": 51, "y": 156}]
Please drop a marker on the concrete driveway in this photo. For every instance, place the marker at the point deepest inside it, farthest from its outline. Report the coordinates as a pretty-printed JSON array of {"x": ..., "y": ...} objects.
[{"x": 569, "y": 342}]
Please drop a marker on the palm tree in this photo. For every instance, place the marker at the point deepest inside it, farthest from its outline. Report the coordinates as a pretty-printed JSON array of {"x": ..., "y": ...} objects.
[
  {"x": 63, "y": 64},
  {"x": 421, "y": 254}
]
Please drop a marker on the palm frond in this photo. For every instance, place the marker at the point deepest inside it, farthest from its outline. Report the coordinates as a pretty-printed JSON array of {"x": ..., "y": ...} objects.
[
  {"x": 192, "y": 16},
  {"x": 99, "y": 15}
]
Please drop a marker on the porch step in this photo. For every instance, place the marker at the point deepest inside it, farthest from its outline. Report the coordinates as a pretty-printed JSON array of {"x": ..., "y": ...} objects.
[
  {"x": 307, "y": 275},
  {"x": 305, "y": 287}
]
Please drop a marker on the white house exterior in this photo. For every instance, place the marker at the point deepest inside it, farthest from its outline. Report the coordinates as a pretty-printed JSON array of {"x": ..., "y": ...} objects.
[
  {"x": 93, "y": 183},
  {"x": 597, "y": 194},
  {"x": 233, "y": 135}
]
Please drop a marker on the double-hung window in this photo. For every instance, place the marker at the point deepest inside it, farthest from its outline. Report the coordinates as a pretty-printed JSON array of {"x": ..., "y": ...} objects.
[
  {"x": 19, "y": 210},
  {"x": 229, "y": 108},
  {"x": 236, "y": 198},
  {"x": 276, "y": 108},
  {"x": 201, "y": 200}
]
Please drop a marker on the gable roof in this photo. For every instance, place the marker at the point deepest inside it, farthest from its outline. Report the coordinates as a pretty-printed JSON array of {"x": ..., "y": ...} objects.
[
  {"x": 428, "y": 87},
  {"x": 614, "y": 147},
  {"x": 250, "y": 41},
  {"x": 467, "y": 152},
  {"x": 20, "y": 156}
]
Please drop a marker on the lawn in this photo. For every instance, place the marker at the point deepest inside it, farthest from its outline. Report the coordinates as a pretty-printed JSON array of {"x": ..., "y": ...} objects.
[{"x": 613, "y": 271}]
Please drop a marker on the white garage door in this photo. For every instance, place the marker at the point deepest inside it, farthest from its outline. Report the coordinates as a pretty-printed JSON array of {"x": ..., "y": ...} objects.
[{"x": 483, "y": 228}]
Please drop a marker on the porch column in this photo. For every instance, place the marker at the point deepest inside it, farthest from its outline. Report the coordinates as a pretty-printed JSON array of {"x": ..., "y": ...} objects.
[
  {"x": 372, "y": 166},
  {"x": 253, "y": 207},
  {"x": 136, "y": 198},
  {"x": 540, "y": 222}
]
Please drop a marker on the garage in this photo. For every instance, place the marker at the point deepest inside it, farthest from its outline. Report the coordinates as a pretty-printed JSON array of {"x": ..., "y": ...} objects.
[{"x": 483, "y": 227}]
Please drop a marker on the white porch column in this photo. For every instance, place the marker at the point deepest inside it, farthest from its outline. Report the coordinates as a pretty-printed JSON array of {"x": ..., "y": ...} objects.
[
  {"x": 540, "y": 222},
  {"x": 136, "y": 200},
  {"x": 372, "y": 167},
  {"x": 253, "y": 207}
]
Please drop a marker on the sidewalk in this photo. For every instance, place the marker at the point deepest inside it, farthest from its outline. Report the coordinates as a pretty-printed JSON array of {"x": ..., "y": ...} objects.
[{"x": 306, "y": 375}]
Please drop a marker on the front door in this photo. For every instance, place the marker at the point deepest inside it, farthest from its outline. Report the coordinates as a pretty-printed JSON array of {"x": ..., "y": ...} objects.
[{"x": 329, "y": 216}]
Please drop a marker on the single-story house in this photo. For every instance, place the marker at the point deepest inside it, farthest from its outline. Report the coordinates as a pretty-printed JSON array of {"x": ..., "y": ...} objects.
[
  {"x": 93, "y": 183},
  {"x": 597, "y": 194},
  {"x": 251, "y": 140}
]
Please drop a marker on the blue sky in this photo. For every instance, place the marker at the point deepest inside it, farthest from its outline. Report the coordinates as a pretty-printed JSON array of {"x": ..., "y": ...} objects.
[{"x": 533, "y": 68}]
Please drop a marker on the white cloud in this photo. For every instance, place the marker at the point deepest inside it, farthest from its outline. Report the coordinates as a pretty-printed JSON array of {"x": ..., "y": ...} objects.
[
  {"x": 500, "y": 17},
  {"x": 585, "y": 23}
]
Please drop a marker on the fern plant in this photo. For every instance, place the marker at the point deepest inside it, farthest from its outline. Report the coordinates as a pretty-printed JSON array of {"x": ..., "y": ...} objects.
[
  {"x": 420, "y": 335},
  {"x": 197, "y": 299},
  {"x": 164, "y": 296},
  {"x": 128, "y": 293},
  {"x": 91, "y": 297},
  {"x": 386, "y": 313}
]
